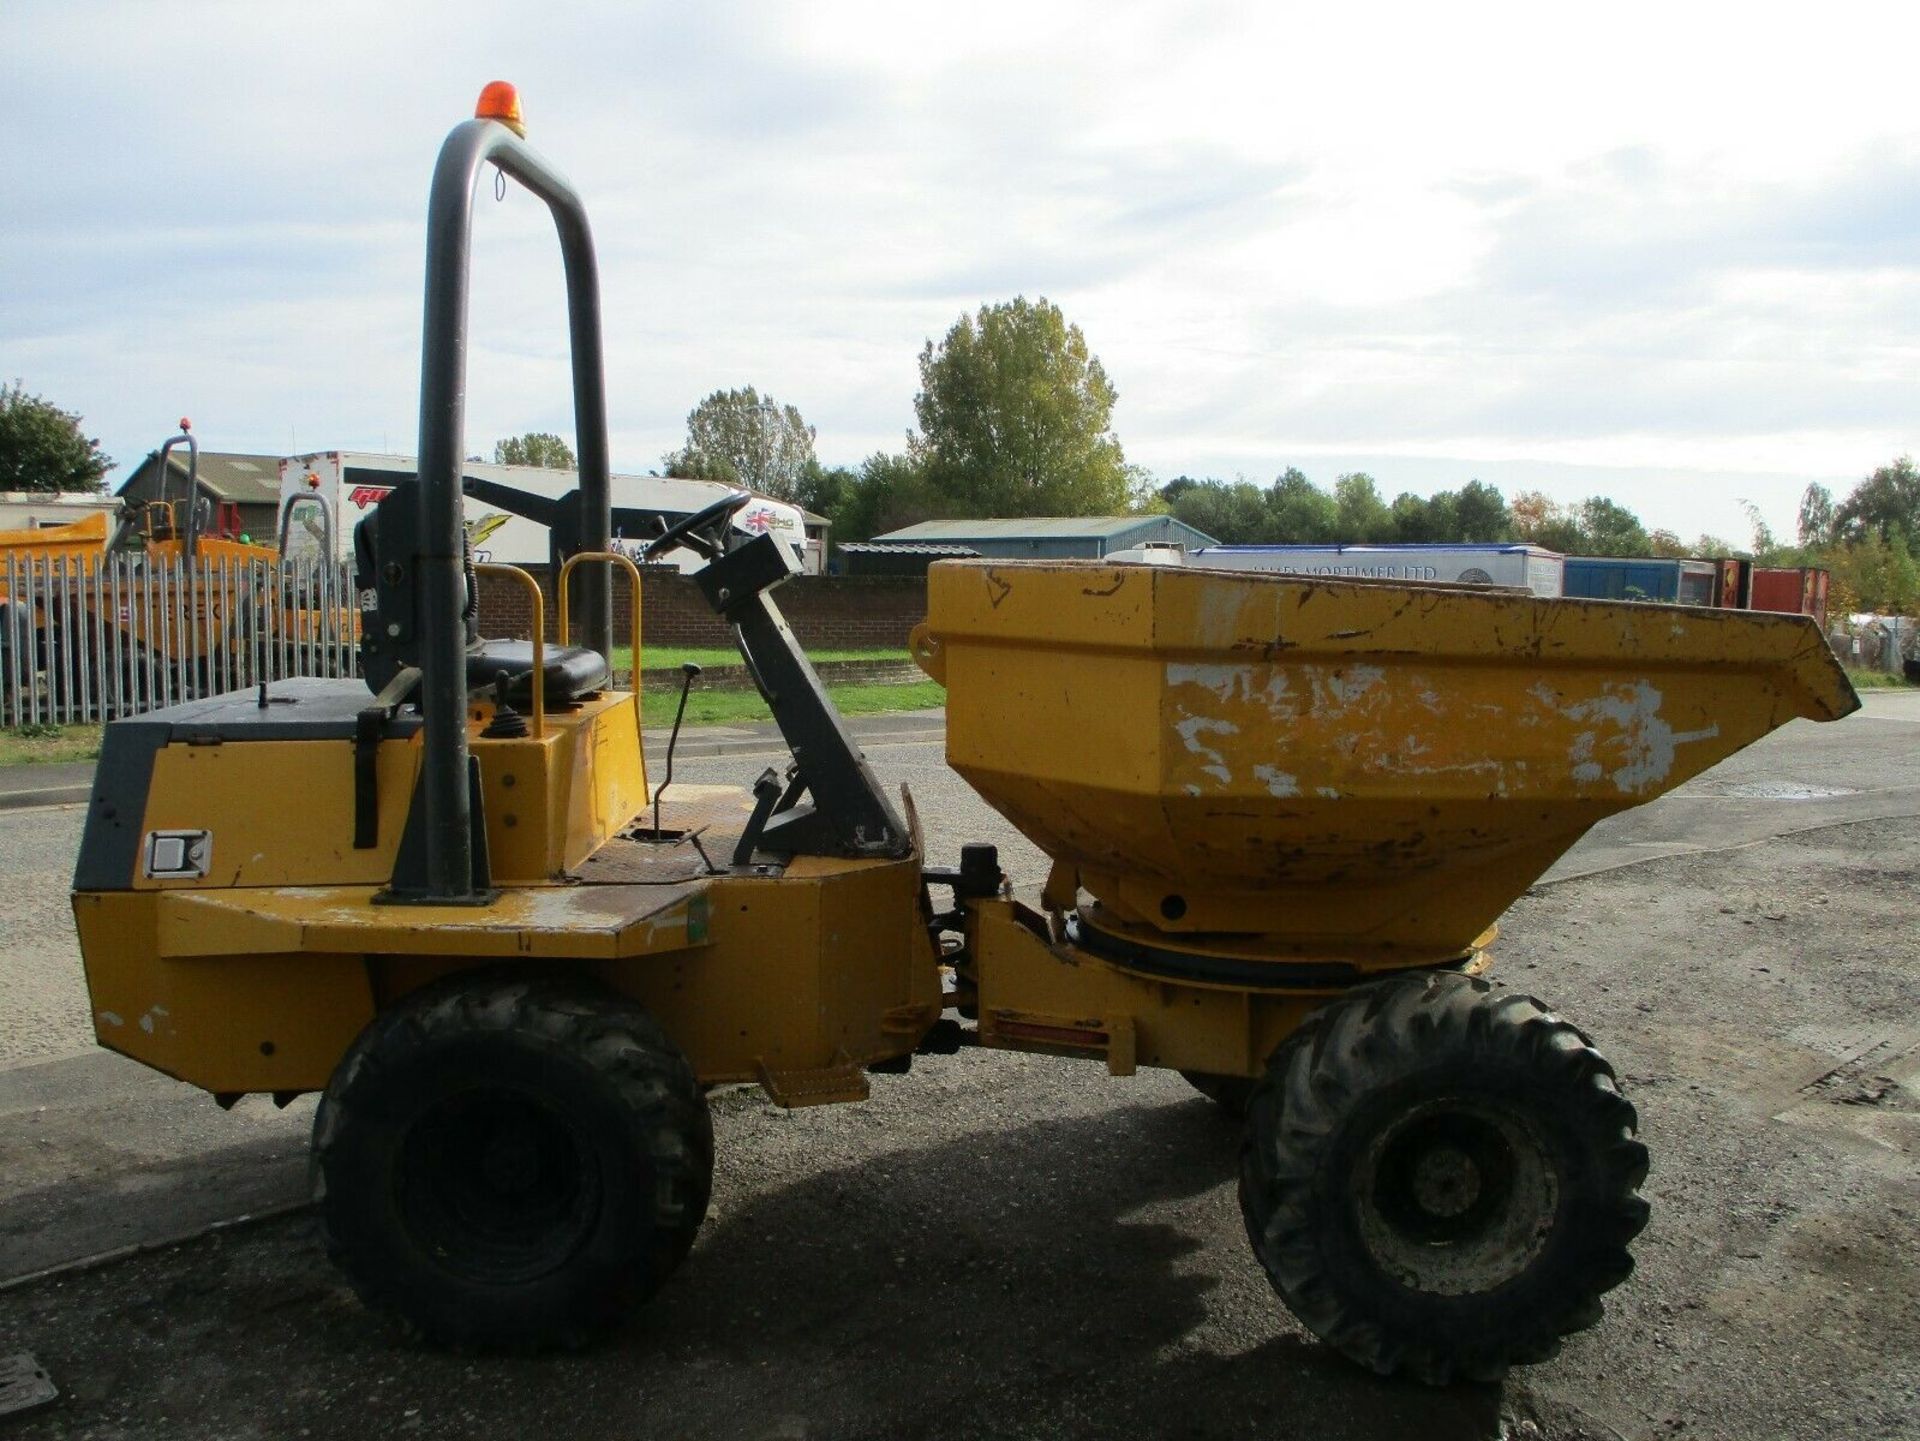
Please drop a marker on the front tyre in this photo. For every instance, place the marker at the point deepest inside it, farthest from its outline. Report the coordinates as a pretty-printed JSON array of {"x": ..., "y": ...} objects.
[
  {"x": 511, "y": 1163},
  {"x": 1440, "y": 1178}
]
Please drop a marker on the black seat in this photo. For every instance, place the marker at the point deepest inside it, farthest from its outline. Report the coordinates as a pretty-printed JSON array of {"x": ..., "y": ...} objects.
[
  {"x": 571, "y": 672},
  {"x": 383, "y": 551}
]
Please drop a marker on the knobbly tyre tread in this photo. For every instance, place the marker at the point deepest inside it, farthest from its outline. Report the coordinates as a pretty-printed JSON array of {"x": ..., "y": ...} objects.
[
  {"x": 1398, "y": 1032},
  {"x": 651, "y": 1099}
]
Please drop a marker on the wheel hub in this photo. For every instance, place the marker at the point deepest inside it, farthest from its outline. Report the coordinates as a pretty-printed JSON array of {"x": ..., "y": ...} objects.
[
  {"x": 497, "y": 1186},
  {"x": 1445, "y": 1182},
  {"x": 511, "y": 1162},
  {"x": 1458, "y": 1197}
]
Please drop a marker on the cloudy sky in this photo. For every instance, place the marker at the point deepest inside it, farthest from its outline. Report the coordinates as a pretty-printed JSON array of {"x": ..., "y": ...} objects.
[{"x": 1668, "y": 252}]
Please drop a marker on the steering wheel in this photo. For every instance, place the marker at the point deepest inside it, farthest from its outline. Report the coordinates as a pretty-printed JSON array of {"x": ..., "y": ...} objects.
[{"x": 688, "y": 530}]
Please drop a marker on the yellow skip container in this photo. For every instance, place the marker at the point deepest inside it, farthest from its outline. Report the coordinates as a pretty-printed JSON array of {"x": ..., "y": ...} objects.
[{"x": 1345, "y": 767}]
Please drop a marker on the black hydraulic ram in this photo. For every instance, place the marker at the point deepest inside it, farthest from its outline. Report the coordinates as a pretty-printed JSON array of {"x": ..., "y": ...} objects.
[{"x": 439, "y": 568}]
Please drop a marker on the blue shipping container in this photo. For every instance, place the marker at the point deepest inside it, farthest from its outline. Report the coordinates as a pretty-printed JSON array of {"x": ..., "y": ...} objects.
[{"x": 1683, "y": 582}]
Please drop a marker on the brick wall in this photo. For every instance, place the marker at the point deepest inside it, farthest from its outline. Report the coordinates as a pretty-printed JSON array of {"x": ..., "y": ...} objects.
[{"x": 845, "y": 612}]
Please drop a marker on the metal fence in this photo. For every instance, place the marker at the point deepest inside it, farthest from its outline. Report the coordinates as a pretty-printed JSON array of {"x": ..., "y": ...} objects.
[{"x": 92, "y": 639}]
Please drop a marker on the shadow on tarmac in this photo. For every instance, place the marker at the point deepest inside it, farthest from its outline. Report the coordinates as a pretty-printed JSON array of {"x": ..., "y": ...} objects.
[{"x": 1049, "y": 1279}]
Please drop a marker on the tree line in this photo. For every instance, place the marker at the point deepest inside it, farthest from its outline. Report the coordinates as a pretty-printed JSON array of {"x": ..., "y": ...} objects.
[{"x": 1014, "y": 418}]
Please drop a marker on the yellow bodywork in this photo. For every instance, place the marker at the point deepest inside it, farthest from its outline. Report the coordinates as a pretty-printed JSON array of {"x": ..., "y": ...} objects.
[
  {"x": 259, "y": 974},
  {"x": 1271, "y": 787},
  {"x": 78, "y": 540},
  {"x": 1337, "y": 767}
]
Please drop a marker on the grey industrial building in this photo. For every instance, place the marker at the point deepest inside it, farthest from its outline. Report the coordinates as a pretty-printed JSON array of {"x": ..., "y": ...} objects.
[
  {"x": 1049, "y": 537},
  {"x": 251, "y": 482}
]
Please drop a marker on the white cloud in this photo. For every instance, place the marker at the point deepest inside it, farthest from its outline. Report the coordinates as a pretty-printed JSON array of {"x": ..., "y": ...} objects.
[{"x": 1614, "y": 246}]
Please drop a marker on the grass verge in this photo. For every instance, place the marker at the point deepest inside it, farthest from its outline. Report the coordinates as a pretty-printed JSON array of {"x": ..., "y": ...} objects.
[
  {"x": 1878, "y": 680},
  {"x": 733, "y": 707},
  {"x": 663, "y": 657},
  {"x": 41, "y": 744}
]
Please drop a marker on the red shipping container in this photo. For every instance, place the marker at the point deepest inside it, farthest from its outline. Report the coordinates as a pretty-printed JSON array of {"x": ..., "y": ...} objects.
[{"x": 1798, "y": 590}]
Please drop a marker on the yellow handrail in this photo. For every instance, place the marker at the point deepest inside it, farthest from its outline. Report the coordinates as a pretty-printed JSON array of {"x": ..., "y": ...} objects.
[
  {"x": 633, "y": 574},
  {"x": 539, "y": 637}
]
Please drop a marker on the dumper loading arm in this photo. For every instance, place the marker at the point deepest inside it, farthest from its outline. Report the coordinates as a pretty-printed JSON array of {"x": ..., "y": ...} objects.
[{"x": 831, "y": 803}]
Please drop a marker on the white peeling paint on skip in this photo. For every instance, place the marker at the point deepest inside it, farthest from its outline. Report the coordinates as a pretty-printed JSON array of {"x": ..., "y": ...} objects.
[
  {"x": 1278, "y": 782},
  {"x": 1221, "y": 617},
  {"x": 1223, "y": 680},
  {"x": 1328, "y": 691},
  {"x": 1641, "y": 733},
  {"x": 1349, "y": 683},
  {"x": 1192, "y": 728}
]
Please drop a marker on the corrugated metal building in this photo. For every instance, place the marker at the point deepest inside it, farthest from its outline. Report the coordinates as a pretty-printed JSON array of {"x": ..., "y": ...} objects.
[
  {"x": 251, "y": 482},
  {"x": 899, "y": 558},
  {"x": 1050, "y": 537}
]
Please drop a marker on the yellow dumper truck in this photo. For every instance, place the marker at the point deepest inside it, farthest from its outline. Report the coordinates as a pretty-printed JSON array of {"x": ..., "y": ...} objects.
[{"x": 1284, "y": 816}]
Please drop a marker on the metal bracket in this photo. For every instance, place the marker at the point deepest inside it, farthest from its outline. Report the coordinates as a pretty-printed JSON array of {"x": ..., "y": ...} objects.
[
  {"x": 368, "y": 727},
  {"x": 841, "y": 1081}
]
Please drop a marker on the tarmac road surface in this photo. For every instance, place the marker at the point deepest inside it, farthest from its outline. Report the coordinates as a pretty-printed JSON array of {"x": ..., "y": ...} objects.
[{"x": 1000, "y": 1245}]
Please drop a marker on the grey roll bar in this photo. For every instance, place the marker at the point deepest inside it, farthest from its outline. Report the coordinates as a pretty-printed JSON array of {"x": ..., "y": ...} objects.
[
  {"x": 190, "y": 533},
  {"x": 441, "y": 573},
  {"x": 286, "y": 522}
]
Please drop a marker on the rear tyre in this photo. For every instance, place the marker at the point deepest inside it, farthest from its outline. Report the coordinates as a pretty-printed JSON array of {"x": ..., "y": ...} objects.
[
  {"x": 1440, "y": 1178},
  {"x": 1229, "y": 1093},
  {"x": 511, "y": 1163}
]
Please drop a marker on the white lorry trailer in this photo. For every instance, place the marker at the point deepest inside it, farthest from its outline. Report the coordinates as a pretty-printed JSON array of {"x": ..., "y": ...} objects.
[
  {"x": 323, "y": 495},
  {"x": 1522, "y": 567}
]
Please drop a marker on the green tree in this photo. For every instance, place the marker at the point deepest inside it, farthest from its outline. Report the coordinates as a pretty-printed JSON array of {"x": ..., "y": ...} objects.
[
  {"x": 1413, "y": 519},
  {"x": 42, "y": 447},
  {"x": 1886, "y": 503},
  {"x": 1769, "y": 549},
  {"x": 1480, "y": 514},
  {"x": 1540, "y": 520},
  {"x": 890, "y": 491},
  {"x": 1431, "y": 520},
  {"x": 1233, "y": 514},
  {"x": 697, "y": 465},
  {"x": 1361, "y": 516},
  {"x": 1816, "y": 517},
  {"x": 1300, "y": 512},
  {"x": 540, "y": 448},
  {"x": 1143, "y": 493},
  {"x": 1175, "y": 488},
  {"x": 1764, "y": 543},
  {"x": 825, "y": 491},
  {"x": 1609, "y": 528},
  {"x": 1666, "y": 545},
  {"x": 747, "y": 438},
  {"x": 1880, "y": 573},
  {"x": 1015, "y": 417}
]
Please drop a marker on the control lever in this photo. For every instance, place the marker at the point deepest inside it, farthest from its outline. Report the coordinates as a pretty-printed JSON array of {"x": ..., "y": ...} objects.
[
  {"x": 689, "y": 672},
  {"x": 766, "y": 792},
  {"x": 507, "y": 723}
]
